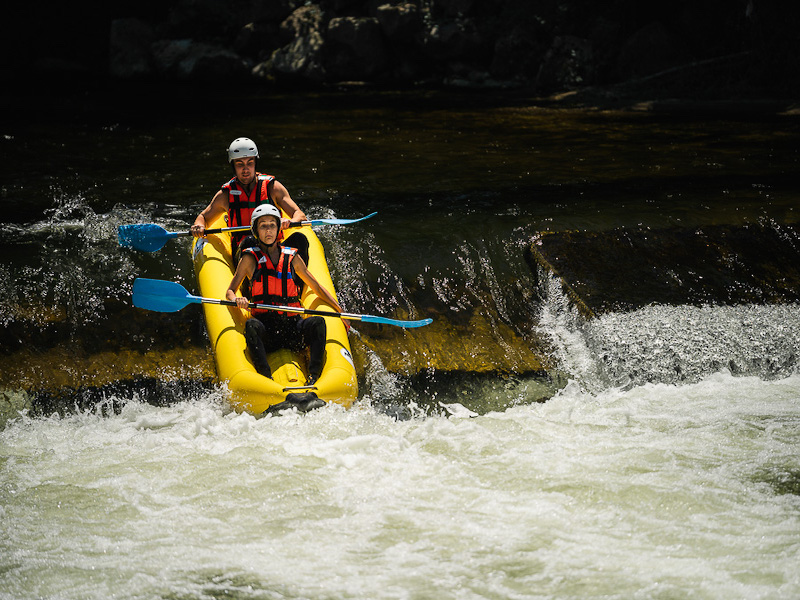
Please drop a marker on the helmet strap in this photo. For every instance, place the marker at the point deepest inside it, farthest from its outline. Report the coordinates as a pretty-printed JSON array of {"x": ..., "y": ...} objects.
[{"x": 268, "y": 247}]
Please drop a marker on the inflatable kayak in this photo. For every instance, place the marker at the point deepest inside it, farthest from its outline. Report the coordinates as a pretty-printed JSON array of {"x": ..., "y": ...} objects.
[{"x": 251, "y": 392}]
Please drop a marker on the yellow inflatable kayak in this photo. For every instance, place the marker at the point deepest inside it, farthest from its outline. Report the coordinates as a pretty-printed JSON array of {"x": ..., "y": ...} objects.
[{"x": 251, "y": 392}]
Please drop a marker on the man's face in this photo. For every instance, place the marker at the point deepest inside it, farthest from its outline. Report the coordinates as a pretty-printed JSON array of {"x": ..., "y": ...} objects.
[{"x": 245, "y": 169}]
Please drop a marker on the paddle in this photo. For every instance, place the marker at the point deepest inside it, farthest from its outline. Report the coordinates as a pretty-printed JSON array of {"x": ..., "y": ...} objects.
[
  {"x": 149, "y": 237},
  {"x": 169, "y": 296}
]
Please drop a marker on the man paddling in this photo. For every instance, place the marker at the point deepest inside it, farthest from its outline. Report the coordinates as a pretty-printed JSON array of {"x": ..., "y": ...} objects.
[
  {"x": 243, "y": 193},
  {"x": 272, "y": 269}
]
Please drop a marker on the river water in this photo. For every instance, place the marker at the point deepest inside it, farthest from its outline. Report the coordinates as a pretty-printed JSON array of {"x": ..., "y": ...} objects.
[{"x": 660, "y": 460}]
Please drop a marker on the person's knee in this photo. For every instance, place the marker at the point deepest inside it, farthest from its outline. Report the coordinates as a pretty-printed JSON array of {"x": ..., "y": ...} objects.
[
  {"x": 299, "y": 242},
  {"x": 252, "y": 331},
  {"x": 315, "y": 328}
]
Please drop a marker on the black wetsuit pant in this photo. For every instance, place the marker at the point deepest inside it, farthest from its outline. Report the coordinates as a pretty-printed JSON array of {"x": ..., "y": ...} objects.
[{"x": 270, "y": 331}]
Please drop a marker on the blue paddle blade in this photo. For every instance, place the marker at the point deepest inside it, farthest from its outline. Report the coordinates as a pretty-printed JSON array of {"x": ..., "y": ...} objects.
[
  {"x": 147, "y": 237},
  {"x": 397, "y": 322},
  {"x": 161, "y": 296},
  {"x": 340, "y": 221},
  {"x": 169, "y": 296}
]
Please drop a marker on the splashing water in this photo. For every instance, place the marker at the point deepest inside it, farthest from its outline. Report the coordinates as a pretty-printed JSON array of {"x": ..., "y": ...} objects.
[
  {"x": 672, "y": 344},
  {"x": 659, "y": 490}
]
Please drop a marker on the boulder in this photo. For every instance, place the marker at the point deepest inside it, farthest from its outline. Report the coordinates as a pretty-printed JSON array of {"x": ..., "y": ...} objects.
[
  {"x": 516, "y": 54},
  {"x": 129, "y": 55},
  {"x": 257, "y": 40},
  {"x": 300, "y": 57},
  {"x": 209, "y": 21},
  {"x": 186, "y": 60},
  {"x": 301, "y": 23},
  {"x": 301, "y": 60},
  {"x": 401, "y": 23},
  {"x": 627, "y": 269},
  {"x": 568, "y": 64},
  {"x": 651, "y": 49},
  {"x": 357, "y": 48},
  {"x": 454, "y": 40},
  {"x": 273, "y": 11},
  {"x": 458, "y": 8}
]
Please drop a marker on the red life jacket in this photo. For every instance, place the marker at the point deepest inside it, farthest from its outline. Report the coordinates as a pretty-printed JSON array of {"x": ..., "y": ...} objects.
[
  {"x": 274, "y": 284},
  {"x": 241, "y": 205}
]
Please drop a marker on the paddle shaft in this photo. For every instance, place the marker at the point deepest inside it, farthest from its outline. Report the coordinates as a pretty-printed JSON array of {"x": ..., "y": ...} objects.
[
  {"x": 311, "y": 222},
  {"x": 170, "y": 296},
  {"x": 294, "y": 309},
  {"x": 150, "y": 237},
  {"x": 240, "y": 228}
]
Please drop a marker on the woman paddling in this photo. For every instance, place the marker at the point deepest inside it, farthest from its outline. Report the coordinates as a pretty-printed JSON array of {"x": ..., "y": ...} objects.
[{"x": 272, "y": 269}]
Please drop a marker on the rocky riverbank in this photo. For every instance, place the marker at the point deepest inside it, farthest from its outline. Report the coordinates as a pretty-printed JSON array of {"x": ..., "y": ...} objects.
[{"x": 709, "y": 50}]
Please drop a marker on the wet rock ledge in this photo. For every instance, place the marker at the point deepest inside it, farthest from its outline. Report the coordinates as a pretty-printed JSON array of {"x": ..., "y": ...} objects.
[{"x": 626, "y": 269}]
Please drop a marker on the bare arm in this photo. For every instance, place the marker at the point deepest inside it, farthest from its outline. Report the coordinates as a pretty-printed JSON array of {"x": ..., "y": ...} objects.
[
  {"x": 245, "y": 268},
  {"x": 301, "y": 269},
  {"x": 284, "y": 201},
  {"x": 217, "y": 207}
]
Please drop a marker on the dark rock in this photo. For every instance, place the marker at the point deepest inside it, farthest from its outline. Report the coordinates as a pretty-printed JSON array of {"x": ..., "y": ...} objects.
[
  {"x": 60, "y": 69},
  {"x": 401, "y": 23},
  {"x": 301, "y": 23},
  {"x": 359, "y": 50},
  {"x": 517, "y": 54},
  {"x": 569, "y": 63},
  {"x": 457, "y": 8},
  {"x": 605, "y": 38},
  {"x": 186, "y": 60},
  {"x": 300, "y": 57},
  {"x": 451, "y": 40},
  {"x": 651, "y": 49},
  {"x": 257, "y": 40},
  {"x": 627, "y": 269},
  {"x": 422, "y": 41},
  {"x": 273, "y": 11},
  {"x": 342, "y": 7},
  {"x": 211, "y": 21},
  {"x": 300, "y": 61},
  {"x": 129, "y": 54}
]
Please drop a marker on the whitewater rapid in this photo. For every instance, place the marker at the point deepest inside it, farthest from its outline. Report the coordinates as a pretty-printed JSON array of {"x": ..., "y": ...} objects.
[{"x": 657, "y": 491}]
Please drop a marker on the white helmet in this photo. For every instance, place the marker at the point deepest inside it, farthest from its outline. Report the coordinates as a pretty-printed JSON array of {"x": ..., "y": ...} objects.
[
  {"x": 242, "y": 148},
  {"x": 264, "y": 210}
]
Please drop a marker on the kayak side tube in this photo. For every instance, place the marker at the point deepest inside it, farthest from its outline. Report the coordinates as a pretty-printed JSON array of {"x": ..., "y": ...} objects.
[{"x": 250, "y": 391}]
